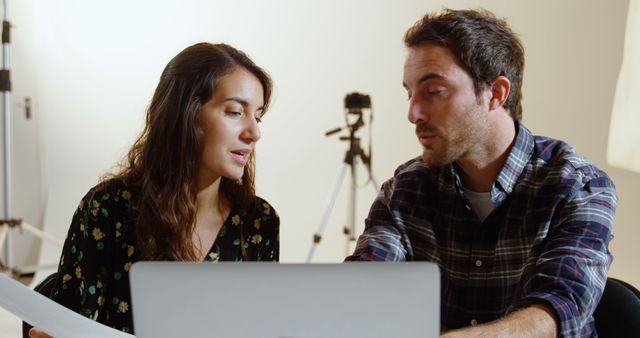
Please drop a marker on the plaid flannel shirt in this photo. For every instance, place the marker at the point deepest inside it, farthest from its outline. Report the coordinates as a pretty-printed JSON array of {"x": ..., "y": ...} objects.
[{"x": 546, "y": 241}]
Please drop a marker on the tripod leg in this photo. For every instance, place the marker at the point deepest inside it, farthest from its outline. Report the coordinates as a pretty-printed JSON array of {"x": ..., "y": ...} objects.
[
  {"x": 3, "y": 238},
  {"x": 374, "y": 183},
  {"x": 41, "y": 234},
  {"x": 317, "y": 237},
  {"x": 19, "y": 271},
  {"x": 350, "y": 227}
]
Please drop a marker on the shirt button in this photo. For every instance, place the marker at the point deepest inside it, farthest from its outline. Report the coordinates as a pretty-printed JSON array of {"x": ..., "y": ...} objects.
[
  {"x": 478, "y": 263},
  {"x": 474, "y": 322}
]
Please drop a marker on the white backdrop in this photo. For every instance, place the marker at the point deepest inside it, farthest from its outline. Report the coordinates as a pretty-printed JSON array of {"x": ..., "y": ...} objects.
[
  {"x": 91, "y": 67},
  {"x": 624, "y": 140}
]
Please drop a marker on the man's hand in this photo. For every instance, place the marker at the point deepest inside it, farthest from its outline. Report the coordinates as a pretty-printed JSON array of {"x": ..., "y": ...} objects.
[{"x": 537, "y": 321}]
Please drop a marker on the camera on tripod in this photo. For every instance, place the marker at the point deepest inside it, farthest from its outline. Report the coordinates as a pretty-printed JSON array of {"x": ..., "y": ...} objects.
[{"x": 354, "y": 103}]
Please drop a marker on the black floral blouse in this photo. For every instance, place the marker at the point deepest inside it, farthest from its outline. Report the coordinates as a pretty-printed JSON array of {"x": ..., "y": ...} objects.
[{"x": 93, "y": 275}]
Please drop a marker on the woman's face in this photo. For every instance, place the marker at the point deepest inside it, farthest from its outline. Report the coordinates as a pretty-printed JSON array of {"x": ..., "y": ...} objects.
[{"x": 230, "y": 123}]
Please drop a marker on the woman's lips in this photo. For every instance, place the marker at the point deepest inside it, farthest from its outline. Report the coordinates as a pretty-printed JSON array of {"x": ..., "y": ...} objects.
[{"x": 241, "y": 156}]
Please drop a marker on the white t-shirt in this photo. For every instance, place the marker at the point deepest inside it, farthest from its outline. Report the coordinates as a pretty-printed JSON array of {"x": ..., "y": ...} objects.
[{"x": 480, "y": 202}]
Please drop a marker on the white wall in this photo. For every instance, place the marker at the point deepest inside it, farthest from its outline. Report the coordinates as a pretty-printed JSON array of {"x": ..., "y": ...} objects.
[{"x": 98, "y": 62}]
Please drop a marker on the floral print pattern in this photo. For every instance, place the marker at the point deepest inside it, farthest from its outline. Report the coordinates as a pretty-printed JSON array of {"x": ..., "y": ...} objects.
[{"x": 101, "y": 248}]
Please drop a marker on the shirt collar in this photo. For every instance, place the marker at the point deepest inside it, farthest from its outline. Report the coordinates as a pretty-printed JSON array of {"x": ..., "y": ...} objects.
[{"x": 520, "y": 154}]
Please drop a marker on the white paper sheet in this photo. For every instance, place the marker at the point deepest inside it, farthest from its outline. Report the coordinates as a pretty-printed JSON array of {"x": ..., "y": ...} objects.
[{"x": 51, "y": 317}]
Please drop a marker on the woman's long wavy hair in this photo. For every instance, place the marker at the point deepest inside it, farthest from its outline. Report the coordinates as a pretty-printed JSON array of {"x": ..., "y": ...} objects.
[{"x": 163, "y": 162}]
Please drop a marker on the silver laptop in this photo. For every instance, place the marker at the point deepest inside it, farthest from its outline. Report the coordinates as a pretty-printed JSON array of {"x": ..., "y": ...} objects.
[{"x": 269, "y": 300}]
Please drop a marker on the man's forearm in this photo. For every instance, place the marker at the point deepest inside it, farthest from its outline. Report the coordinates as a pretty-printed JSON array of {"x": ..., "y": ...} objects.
[{"x": 537, "y": 321}]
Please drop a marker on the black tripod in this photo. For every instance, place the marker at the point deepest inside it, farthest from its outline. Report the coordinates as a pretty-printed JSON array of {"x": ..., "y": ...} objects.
[{"x": 354, "y": 103}]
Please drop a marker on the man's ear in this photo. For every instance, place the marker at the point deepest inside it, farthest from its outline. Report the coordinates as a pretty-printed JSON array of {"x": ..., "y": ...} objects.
[{"x": 500, "y": 89}]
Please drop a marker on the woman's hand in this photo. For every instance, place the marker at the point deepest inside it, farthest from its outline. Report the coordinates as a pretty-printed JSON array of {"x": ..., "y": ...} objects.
[{"x": 35, "y": 333}]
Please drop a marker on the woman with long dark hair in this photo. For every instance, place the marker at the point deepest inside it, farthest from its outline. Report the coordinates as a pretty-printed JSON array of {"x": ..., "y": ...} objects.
[{"x": 185, "y": 192}]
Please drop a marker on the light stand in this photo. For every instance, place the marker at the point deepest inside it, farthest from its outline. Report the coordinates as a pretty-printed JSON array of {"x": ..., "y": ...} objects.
[
  {"x": 353, "y": 103},
  {"x": 8, "y": 222},
  {"x": 5, "y": 86}
]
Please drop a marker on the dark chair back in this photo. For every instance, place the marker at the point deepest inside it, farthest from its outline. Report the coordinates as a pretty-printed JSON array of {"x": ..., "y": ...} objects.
[
  {"x": 45, "y": 287},
  {"x": 618, "y": 313}
]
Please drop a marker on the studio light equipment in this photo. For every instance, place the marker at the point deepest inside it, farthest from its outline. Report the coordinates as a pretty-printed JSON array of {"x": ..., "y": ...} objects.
[
  {"x": 8, "y": 221},
  {"x": 355, "y": 106}
]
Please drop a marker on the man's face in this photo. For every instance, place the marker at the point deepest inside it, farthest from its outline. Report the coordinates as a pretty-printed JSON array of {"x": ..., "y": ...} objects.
[{"x": 450, "y": 119}]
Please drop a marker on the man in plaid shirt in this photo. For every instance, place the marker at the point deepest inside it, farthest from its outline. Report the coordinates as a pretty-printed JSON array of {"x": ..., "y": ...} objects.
[{"x": 518, "y": 224}]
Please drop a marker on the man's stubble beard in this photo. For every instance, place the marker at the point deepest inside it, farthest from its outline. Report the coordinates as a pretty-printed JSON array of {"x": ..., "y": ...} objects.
[{"x": 460, "y": 141}]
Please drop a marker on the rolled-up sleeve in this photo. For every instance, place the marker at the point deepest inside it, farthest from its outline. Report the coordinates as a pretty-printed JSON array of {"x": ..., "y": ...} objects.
[
  {"x": 382, "y": 238},
  {"x": 571, "y": 272}
]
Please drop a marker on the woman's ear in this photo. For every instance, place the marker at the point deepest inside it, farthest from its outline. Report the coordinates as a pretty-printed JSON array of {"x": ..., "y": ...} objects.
[{"x": 500, "y": 89}]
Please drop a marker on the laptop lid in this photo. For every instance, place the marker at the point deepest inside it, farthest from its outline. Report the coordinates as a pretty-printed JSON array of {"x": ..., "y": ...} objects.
[{"x": 269, "y": 300}]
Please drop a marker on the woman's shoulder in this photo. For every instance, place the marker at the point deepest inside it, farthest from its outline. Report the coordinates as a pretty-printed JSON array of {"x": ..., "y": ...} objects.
[
  {"x": 112, "y": 192},
  {"x": 110, "y": 185},
  {"x": 263, "y": 208},
  {"x": 260, "y": 200},
  {"x": 259, "y": 216}
]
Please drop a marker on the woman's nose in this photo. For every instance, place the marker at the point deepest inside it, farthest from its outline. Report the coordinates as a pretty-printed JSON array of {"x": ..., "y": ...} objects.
[{"x": 251, "y": 132}]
